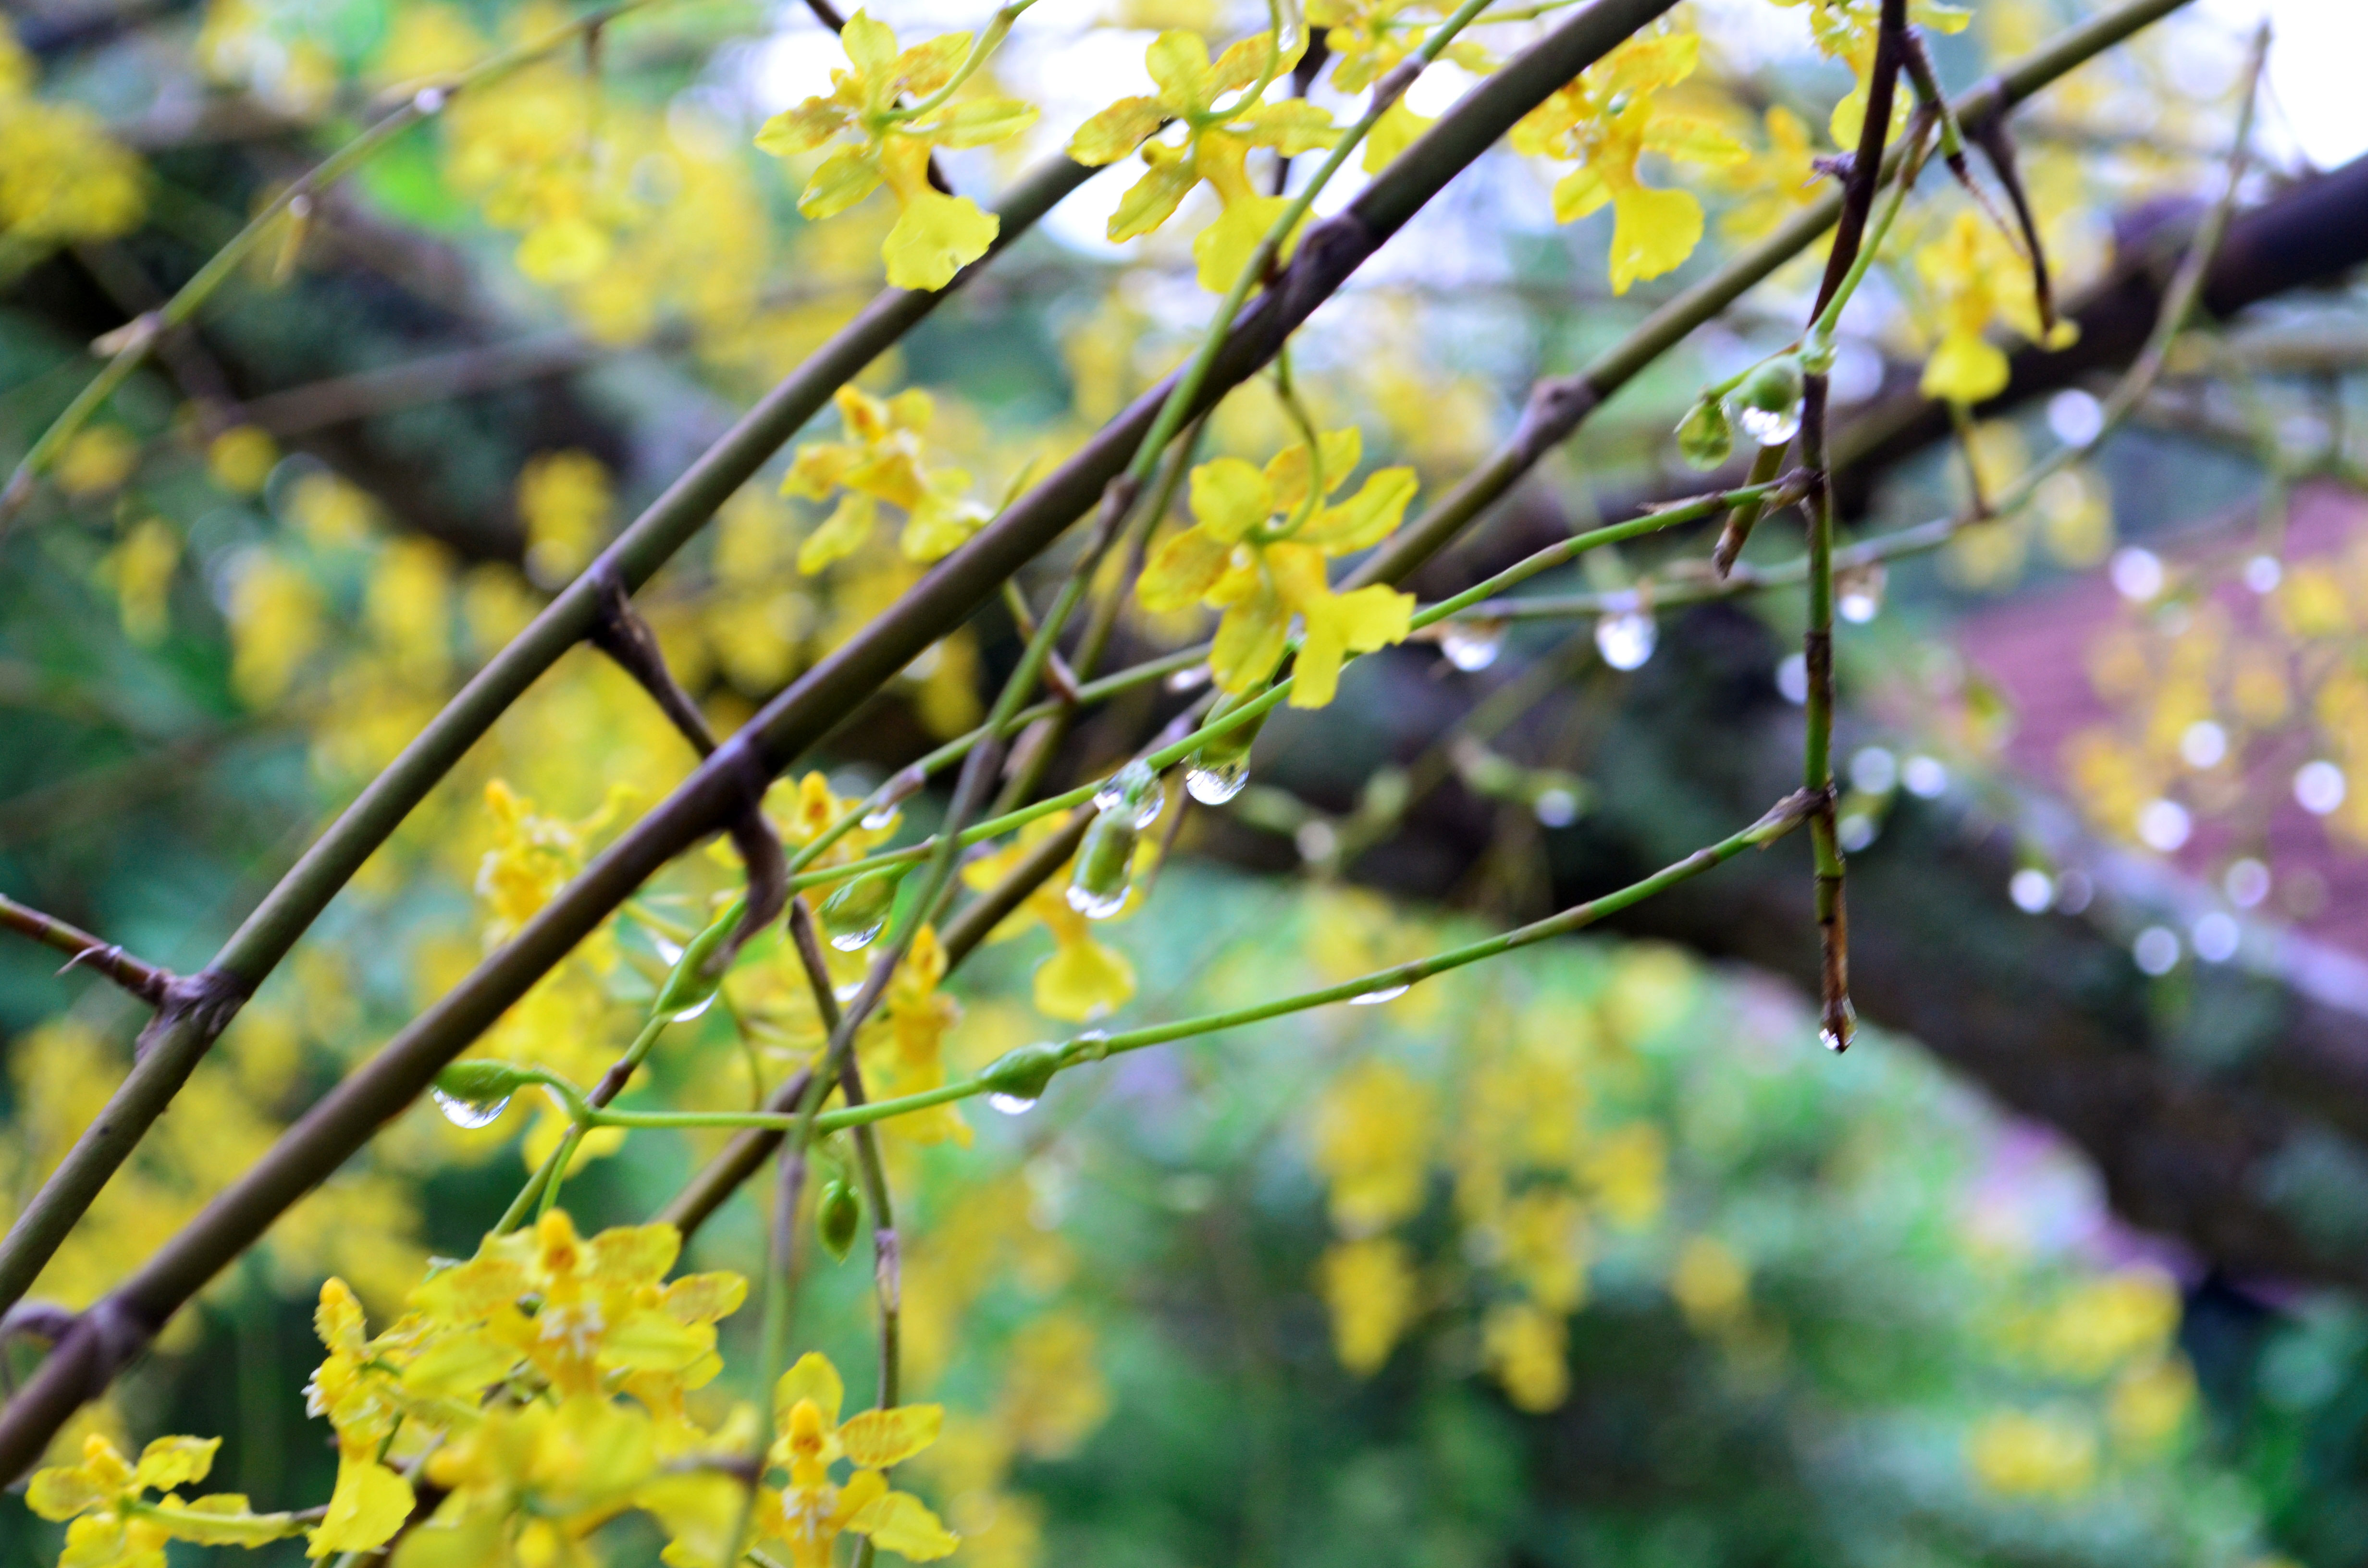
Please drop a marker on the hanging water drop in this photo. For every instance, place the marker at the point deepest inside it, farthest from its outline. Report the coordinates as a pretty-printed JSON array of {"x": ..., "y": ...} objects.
[
  {"x": 878, "y": 818},
  {"x": 855, "y": 915},
  {"x": 1093, "y": 905},
  {"x": 1858, "y": 595},
  {"x": 1213, "y": 786},
  {"x": 468, "y": 1113},
  {"x": 1832, "y": 1041},
  {"x": 1011, "y": 1105},
  {"x": 1375, "y": 998},
  {"x": 684, "y": 1015},
  {"x": 1135, "y": 788},
  {"x": 1767, "y": 427},
  {"x": 1472, "y": 645},
  {"x": 1625, "y": 639},
  {"x": 1105, "y": 870}
]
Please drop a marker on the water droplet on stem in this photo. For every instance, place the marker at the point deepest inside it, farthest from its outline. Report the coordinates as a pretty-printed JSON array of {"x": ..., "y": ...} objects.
[{"x": 468, "y": 1114}]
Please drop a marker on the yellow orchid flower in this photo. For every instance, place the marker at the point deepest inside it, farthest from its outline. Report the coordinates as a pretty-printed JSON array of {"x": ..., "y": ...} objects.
[
  {"x": 1084, "y": 979},
  {"x": 527, "y": 1484},
  {"x": 880, "y": 460},
  {"x": 1256, "y": 551},
  {"x": 1607, "y": 119},
  {"x": 936, "y": 236},
  {"x": 1215, "y": 145},
  {"x": 599, "y": 1307},
  {"x": 1973, "y": 277},
  {"x": 810, "y": 1513},
  {"x": 113, "y": 1523},
  {"x": 1846, "y": 29}
]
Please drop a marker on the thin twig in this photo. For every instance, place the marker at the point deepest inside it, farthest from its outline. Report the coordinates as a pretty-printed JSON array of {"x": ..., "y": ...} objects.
[{"x": 143, "y": 980}]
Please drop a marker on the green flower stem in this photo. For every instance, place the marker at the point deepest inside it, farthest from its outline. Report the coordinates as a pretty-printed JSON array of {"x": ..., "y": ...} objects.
[
  {"x": 1558, "y": 406},
  {"x": 180, "y": 1035},
  {"x": 1786, "y": 815},
  {"x": 141, "y": 335},
  {"x": 536, "y": 1195}
]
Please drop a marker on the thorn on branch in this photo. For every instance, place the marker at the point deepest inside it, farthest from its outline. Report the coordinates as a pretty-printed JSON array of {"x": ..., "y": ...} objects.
[
  {"x": 207, "y": 1000},
  {"x": 146, "y": 981},
  {"x": 1997, "y": 143}
]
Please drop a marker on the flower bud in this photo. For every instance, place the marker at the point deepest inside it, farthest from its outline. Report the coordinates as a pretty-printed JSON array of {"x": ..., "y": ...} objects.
[
  {"x": 689, "y": 986},
  {"x": 479, "y": 1081},
  {"x": 1773, "y": 386},
  {"x": 1105, "y": 865},
  {"x": 837, "y": 1212},
  {"x": 1704, "y": 438},
  {"x": 854, "y": 915},
  {"x": 1023, "y": 1071}
]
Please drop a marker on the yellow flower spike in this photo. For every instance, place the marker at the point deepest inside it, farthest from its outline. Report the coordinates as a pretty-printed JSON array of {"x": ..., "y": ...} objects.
[
  {"x": 1770, "y": 187},
  {"x": 881, "y": 141},
  {"x": 1263, "y": 572},
  {"x": 1215, "y": 146},
  {"x": 1606, "y": 120},
  {"x": 1371, "y": 1289},
  {"x": 1527, "y": 1349}
]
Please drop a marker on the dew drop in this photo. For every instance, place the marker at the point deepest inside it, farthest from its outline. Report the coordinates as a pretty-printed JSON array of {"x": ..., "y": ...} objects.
[
  {"x": 1375, "y": 998},
  {"x": 857, "y": 941},
  {"x": 1112, "y": 795},
  {"x": 1832, "y": 1041},
  {"x": 1011, "y": 1105},
  {"x": 1215, "y": 786},
  {"x": 1094, "y": 905},
  {"x": 428, "y": 100},
  {"x": 1557, "y": 807},
  {"x": 1472, "y": 645},
  {"x": 470, "y": 1114},
  {"x": 847, "y": 992},
  {"x": 1625, "y": 639},
  {"x": 1192, "y": 678},
  {"x": 873, "y": 821},
  {"x": 684, "y": 1015},
  {"x": 669, "y": 954},
  {"x": 1768, "y": 428}
]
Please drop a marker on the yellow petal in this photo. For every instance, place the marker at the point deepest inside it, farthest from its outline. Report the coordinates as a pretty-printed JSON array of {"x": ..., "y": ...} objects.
[
  {"x": 1340, "y": 624},
  {"x": 704, "y": 1298},
  {"x": 1292, "y": 127},
  {"x": 62, "y": 1492},
  {"x": 1365, "y": 519},
  {"x": 1229, "y": 497},
  {"x": 979, "y": 121},
  {"x": 1228, "y": 244},
  {"x": 901, "y": 1523},
  {"x": 1082, "y": 982},
  {"x": 802, "y": 129},
  {"x": 566, "y": 250},
  {"x": 870, "y": 45},
  {"x": 697, "y": 1512},
  {"x": 170, "y": 1462},
  {"x": 1642, "y": 64},
  {"x": 1249, "y": 641},
  {"x": 1965, "y": 369},
  {"x": 924, "y": 68},
  {"x": 653, "y": 1342},
  {"x": 1152, "y": 201},
  {"x": 1179, "y": 64},
  {"x": 460, "y": 1366},
  {"x": 937, "y": 236},
  {"x": 368, "y": 1505},
  {"x": 1116, "y": 132},
  {"x": 846, "y": 177},
  {"x": 1182, "y": 571},
  {"x": 338, "y": 1319},
  {"x": 1695, "y": 141},
  {"x": 840, "y": 534},
  {"x": 224, "y": 1520},
  {"x": 1578, "y": 193},
  {"x": 1342, "y": 451},
  {"x": 814, "y": 1378},
  {"x": 634, "y": 1254},
  {"x": 878, "y": 1439},
  {"x": 1652, "y": 232}
]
